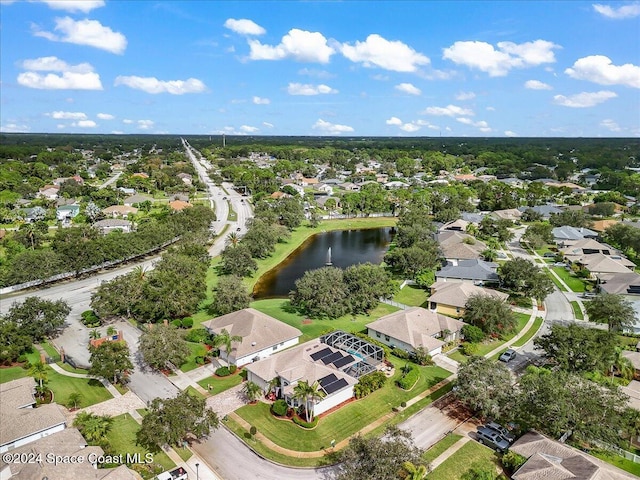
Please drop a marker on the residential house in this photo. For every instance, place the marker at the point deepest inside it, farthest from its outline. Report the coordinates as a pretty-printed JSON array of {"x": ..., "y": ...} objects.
[
  {"x": 350, "y": 187},
  {"x": 487, "y": 178},
  {"x": 450, "y": 298},
  {"x": 22, "y": 421},
  {"x": 474, "y": 271},
  {"x": 586, "y": 246},
  {"x": 323, "y": 200},
  {"x": 455, "y": 226},
  {"x": 545, "y": 210},
  {"x": 335, "y": 361},
  {"x": 474, "y": 218},
  {"x": 457, "y": 246},
  {"x": 465, "y": 177},
  {"x": 140, "y": 175},
  {"x": 137, "y": 199},
  {"x": 34, "y": 214},
  {"x": 278, "y": 195},
  {"x": 512, "y": 182},
  {"x": 122, "y": 211},
  {"x": 186, "y": 178},
  {"x": 571, "y": 186},
  {"x": 602, "y": 225},
  {"x": 626, "y": 283},
  {"x": 597, "y": 263},
  {"x": 395, "y": 185},
  {"x": 550, "y": 459},
  {"x": 261, "y": 334},
  {"x": 127, "y": 191},
  {"x": 297, "y": 188},
  {"x": 567, "y": 235},
  {"x": 307, "y": 182},
  {"x": 632, "y": 391},
  {"x": 511, "y": 214},
  {"x": 179, "y": 205},
  {"x": 67, "y": 212},
  {"x": 50, "y": 192},
  {"x": 110, "y": 224},
  {"x": 324, "y": 188},
  {"x": 414, "y": 328}
]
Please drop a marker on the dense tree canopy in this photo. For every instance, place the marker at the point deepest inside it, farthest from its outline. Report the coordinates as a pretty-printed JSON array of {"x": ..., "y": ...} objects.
[
  {"x": 162, "y": 345},
  {"x": 613, "y": 310},
  {"x": 38, "y": 318},
  {"x": 491, "y": 315},
  {"x": 111, "y": 361},
  {"x": 230, "y": 295}
]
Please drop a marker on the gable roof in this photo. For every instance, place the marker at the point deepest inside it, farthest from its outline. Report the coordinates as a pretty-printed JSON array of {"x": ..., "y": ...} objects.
[
  {"x": 416, "y": 326},
  {"x": 456, "y": 294},
  {"x": 258, "y": 330},
  {"x": 602, "y": 225},
  {"x": 453, "y": 245},
  {"x": 598, "y": 262},
  {"x": 619, "y": 283},
  {"x": 120, "y": 209},
  {"x": 567, "y": 232},
  {"x": 585, "y": 244},
  {"x": 470, "y": 270}
]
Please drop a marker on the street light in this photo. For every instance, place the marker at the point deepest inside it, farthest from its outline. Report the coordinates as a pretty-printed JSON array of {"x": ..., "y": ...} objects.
[{"x": 197, "y": 471}]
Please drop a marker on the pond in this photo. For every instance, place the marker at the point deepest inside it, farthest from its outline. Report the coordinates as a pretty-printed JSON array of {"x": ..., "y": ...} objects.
[{"x": 348, "y": 247}]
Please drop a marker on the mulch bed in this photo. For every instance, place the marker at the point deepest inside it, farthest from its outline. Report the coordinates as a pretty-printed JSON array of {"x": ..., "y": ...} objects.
[
  {"x": 307, "y": 321},
  {"x": 337, "y": 407}
]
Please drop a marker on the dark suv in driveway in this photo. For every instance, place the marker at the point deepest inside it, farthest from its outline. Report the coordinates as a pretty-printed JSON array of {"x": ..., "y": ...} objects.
[
  {"x": 504, "y": 433},
  {"x": 492, "y": 439}
]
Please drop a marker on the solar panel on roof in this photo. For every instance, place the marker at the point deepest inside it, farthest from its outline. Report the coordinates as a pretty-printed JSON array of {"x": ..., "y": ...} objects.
[
  {"x": 331, "y": 358},
  {"x": 327, "y": 380},
  {"x": 335, "y": 386},
  {"x": 322, "y": 353},
  {"x": 343, "y": 361}
]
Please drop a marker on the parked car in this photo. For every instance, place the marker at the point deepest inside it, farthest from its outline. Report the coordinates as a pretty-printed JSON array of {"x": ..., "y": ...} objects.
[
  {"x": 506, "y": 434},
  {"x": 492, "y": 439},
  {"x": 508, "y": 356},
  {"x": 589, "y": 295},
  {"x": 549, "y": 255}
]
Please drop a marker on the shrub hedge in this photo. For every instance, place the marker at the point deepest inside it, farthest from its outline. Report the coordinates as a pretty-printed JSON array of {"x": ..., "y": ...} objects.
[
  {"x": 303, "y": 423},
  {"x": 279, "y": 408},
  {"x": 410, "y": 377},
  {"x": 223, "y": 372}
]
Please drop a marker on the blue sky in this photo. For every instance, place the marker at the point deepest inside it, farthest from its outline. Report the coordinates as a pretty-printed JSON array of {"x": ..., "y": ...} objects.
[{"x": 350, "y": 68}]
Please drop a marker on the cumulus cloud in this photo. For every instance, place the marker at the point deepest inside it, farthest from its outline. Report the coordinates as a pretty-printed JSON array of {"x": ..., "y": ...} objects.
[
  {"x": 600, "y": 69},
  {"x": 145, "y": 124},
  {"x": 610, "y": 125},
  {"x": 497, "y": 62},
  {"x": 462, "y": 96},
  {"x": 267, "y": 124},
  {"x": 60, "y": 115},
  {"x": 410, "y": 127},
  {"x": 625, "y": 11},
  {"x": 408, "y": 88},
  {"x": 311, "y": 72},
  {"x": 509, "y": 133},
  {"x": 66, "y": 81},
  {"x": 480, "y": 125},
  {"x": 377, "y": 51},
  {"x": 448, "y": 111},
  {"x": 105, "y": 116},
  {"x": 153, "y": 85},
  {"x": 54, "y": 64},
  {"x": 249, "y": 129},
  {"x": 331, "y": 128},
  {"x": 394, "y": 121},
  {"x": 261, "y": 101},
  {"x": 244, "y": 26},
  {"x": 127, "y": 121},
  {"x": 85, "y": 124},
  {"x": 308, "y": 89},
  {"x": 14, "y": 128},
  {"x": 84, "y": 6},
  {"x": 537, "y": 85},
  {"x": 584, "y": 99},
  {"x": 298, "y": 45},
  {"x": 85, "y": 32}
]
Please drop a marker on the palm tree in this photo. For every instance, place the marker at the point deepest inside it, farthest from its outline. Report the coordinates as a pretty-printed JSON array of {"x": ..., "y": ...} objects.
[
  {"x": 38, "y": 371},
  {"x": 74, "y": 399},
  {"x": 308, "y": 394},
  {"x": 622, "y": 365},
  {"x": 93, "y": 427},
  {"x": 252, "y": 391},
  {"x": 415, "y": 472},
  {"x": 225, "y": 339},
  {"x": 95, "y": 334},
  {"x": 274, "y": 383},
  {"x": 233, "y": 239},
  {"x": 111, "y": 331}
]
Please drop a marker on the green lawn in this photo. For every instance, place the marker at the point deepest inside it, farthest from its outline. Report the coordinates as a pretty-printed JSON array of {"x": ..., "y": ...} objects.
[
  {"x": 197, "y": 350},
  {"x": 576, "y": 310},
  {"x": 220, "y": 384},
  {"x": 92, "y": 390},
  {"x": 51, "y": 352},
  {"x": 8, "y": 374},
  {"x": 574, "y": 283},
  {"x": 122, "y": 438},
  {"x": 556, "y": 282},
  {"x": 69, "y": 368},
  {"x": 537, "y": 323},
  {"x": 344, "y": 422},
  {"x": 194, "y": 393},
  {"x": 618, "y": 461},
  {"x": 279, "y": 308},
  {"x": 412, "y": 295},
  {"x": 472, "y": 454},
  {"x": 185, "y": 453},
  {"x": 436, "y": 450}
]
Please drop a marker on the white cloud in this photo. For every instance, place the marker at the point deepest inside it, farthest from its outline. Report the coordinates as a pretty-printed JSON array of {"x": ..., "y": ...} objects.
[
  {"x": 625, "y": 11},
  {"x": 424, "y": 123},
  {"x": 105, "y": 116},
  {"x": 244, "y": 26},
  {"x": 145, "y": 124},
  {"x": 509, "y": 133},
  {"x": 410, "y": 127},
  {"x": 448, "y": 111},
  {"x": 537, "y": 85},
  {"x": 466, "y": 121},
  {"x": 249, "y": 129},
  {"x": 261, "y": 101},
  {"x": 127, "y": 121},
  {"x": 491, "y": 109},
  {"x": 408, "y": 88},
  {"x": 331, "y": 128},
  {"x": 584, "y": 99},
  {"x": 462, "y": 96},
  {"x": 66, "y": 81},
  {"x": 394, "y": 121},
  {"x": 599, "y": 69},
  {"x": 610, "y": 125},
  {"x": 116, "y": 132},
  {"x": 497, "y": 62},
  {"x": 84, "y": 6},
  {"x": 308, "y": 89},
  {"x": 310, "y": 72},
  {"x": 298, "y": 45},
  {"x": 14, "y": 128},
  {"x": 85, "y": 124},
  {"x": 389, "y": 55},
  {"x": 480, "y": 125},
  {"x": 85, "y": 32},
  {"x": 54, "y": 64},
  {"x": 154, "y": 86},
  {"x": 267, "y": 124},
  {"x": 59, "y": 115}
]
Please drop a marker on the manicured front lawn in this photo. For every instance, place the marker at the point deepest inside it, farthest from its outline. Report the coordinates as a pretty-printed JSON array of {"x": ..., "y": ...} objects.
[
  {"x": 537, "y": 323},
  {"x": 8, "y": 374},
  {"x": 412, "y": 295},
  {"x": 51, "y": 352},
  {"x": 92, "y": 390},
  {"x": 472, "y": 454},
  {"x": 574, "y": 283},
  {"x": 197, "y": 350},
  {"x": 618, "y": 461},
  {"x": 69, "y": 368},
  {"x": 122, "y": 438},
  {"x": 345, "y": 421},
  {"x": 576, "y": 310},
  {"x": 436, "y": 450},
  {"x": 220, "y": 384},
  {"x": 555, "y": 281},
  {"x": 279, "y": 308}
]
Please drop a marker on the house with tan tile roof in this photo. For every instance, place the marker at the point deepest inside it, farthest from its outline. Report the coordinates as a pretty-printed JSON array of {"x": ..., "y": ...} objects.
[
  {"x": 415, "y": 327},
  {"x": 456, "y": 245},
  {"x": 261, "y": 334},
  {"x": 179, "y": 205},
  {"x": 450, "y": 298},
  {"x": 600, "y": 263},
  {"x": 119, "y": 211}
]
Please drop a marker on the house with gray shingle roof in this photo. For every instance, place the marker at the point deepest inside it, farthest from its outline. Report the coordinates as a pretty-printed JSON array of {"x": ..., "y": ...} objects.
[
  {"x": 456, "y": 245},
  {"x": 545, "y": 210},
  {"x": 474, "y": 271},
  {"x": 567, "y": 235}
]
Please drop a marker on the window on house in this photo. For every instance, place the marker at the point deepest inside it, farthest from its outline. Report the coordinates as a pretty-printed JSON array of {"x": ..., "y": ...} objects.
[
  {"x": 386, "y": 337},
  {"x": 275, "y": 348},
  {"x": 378, "y": 334}
]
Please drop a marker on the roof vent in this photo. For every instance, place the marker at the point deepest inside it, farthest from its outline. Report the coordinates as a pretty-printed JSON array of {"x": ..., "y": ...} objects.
[{"x": 253, "y": 344}]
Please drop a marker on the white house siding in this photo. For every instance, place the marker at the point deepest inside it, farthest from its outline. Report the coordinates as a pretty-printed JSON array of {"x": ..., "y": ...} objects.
[
  {"x": 333, "y": 400},
  {"x": 395, "y": 343},
  {"x": 252, "y": 377},
  {"x": 266, "y": 352},
  {"x": 31, "y": 438}
]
